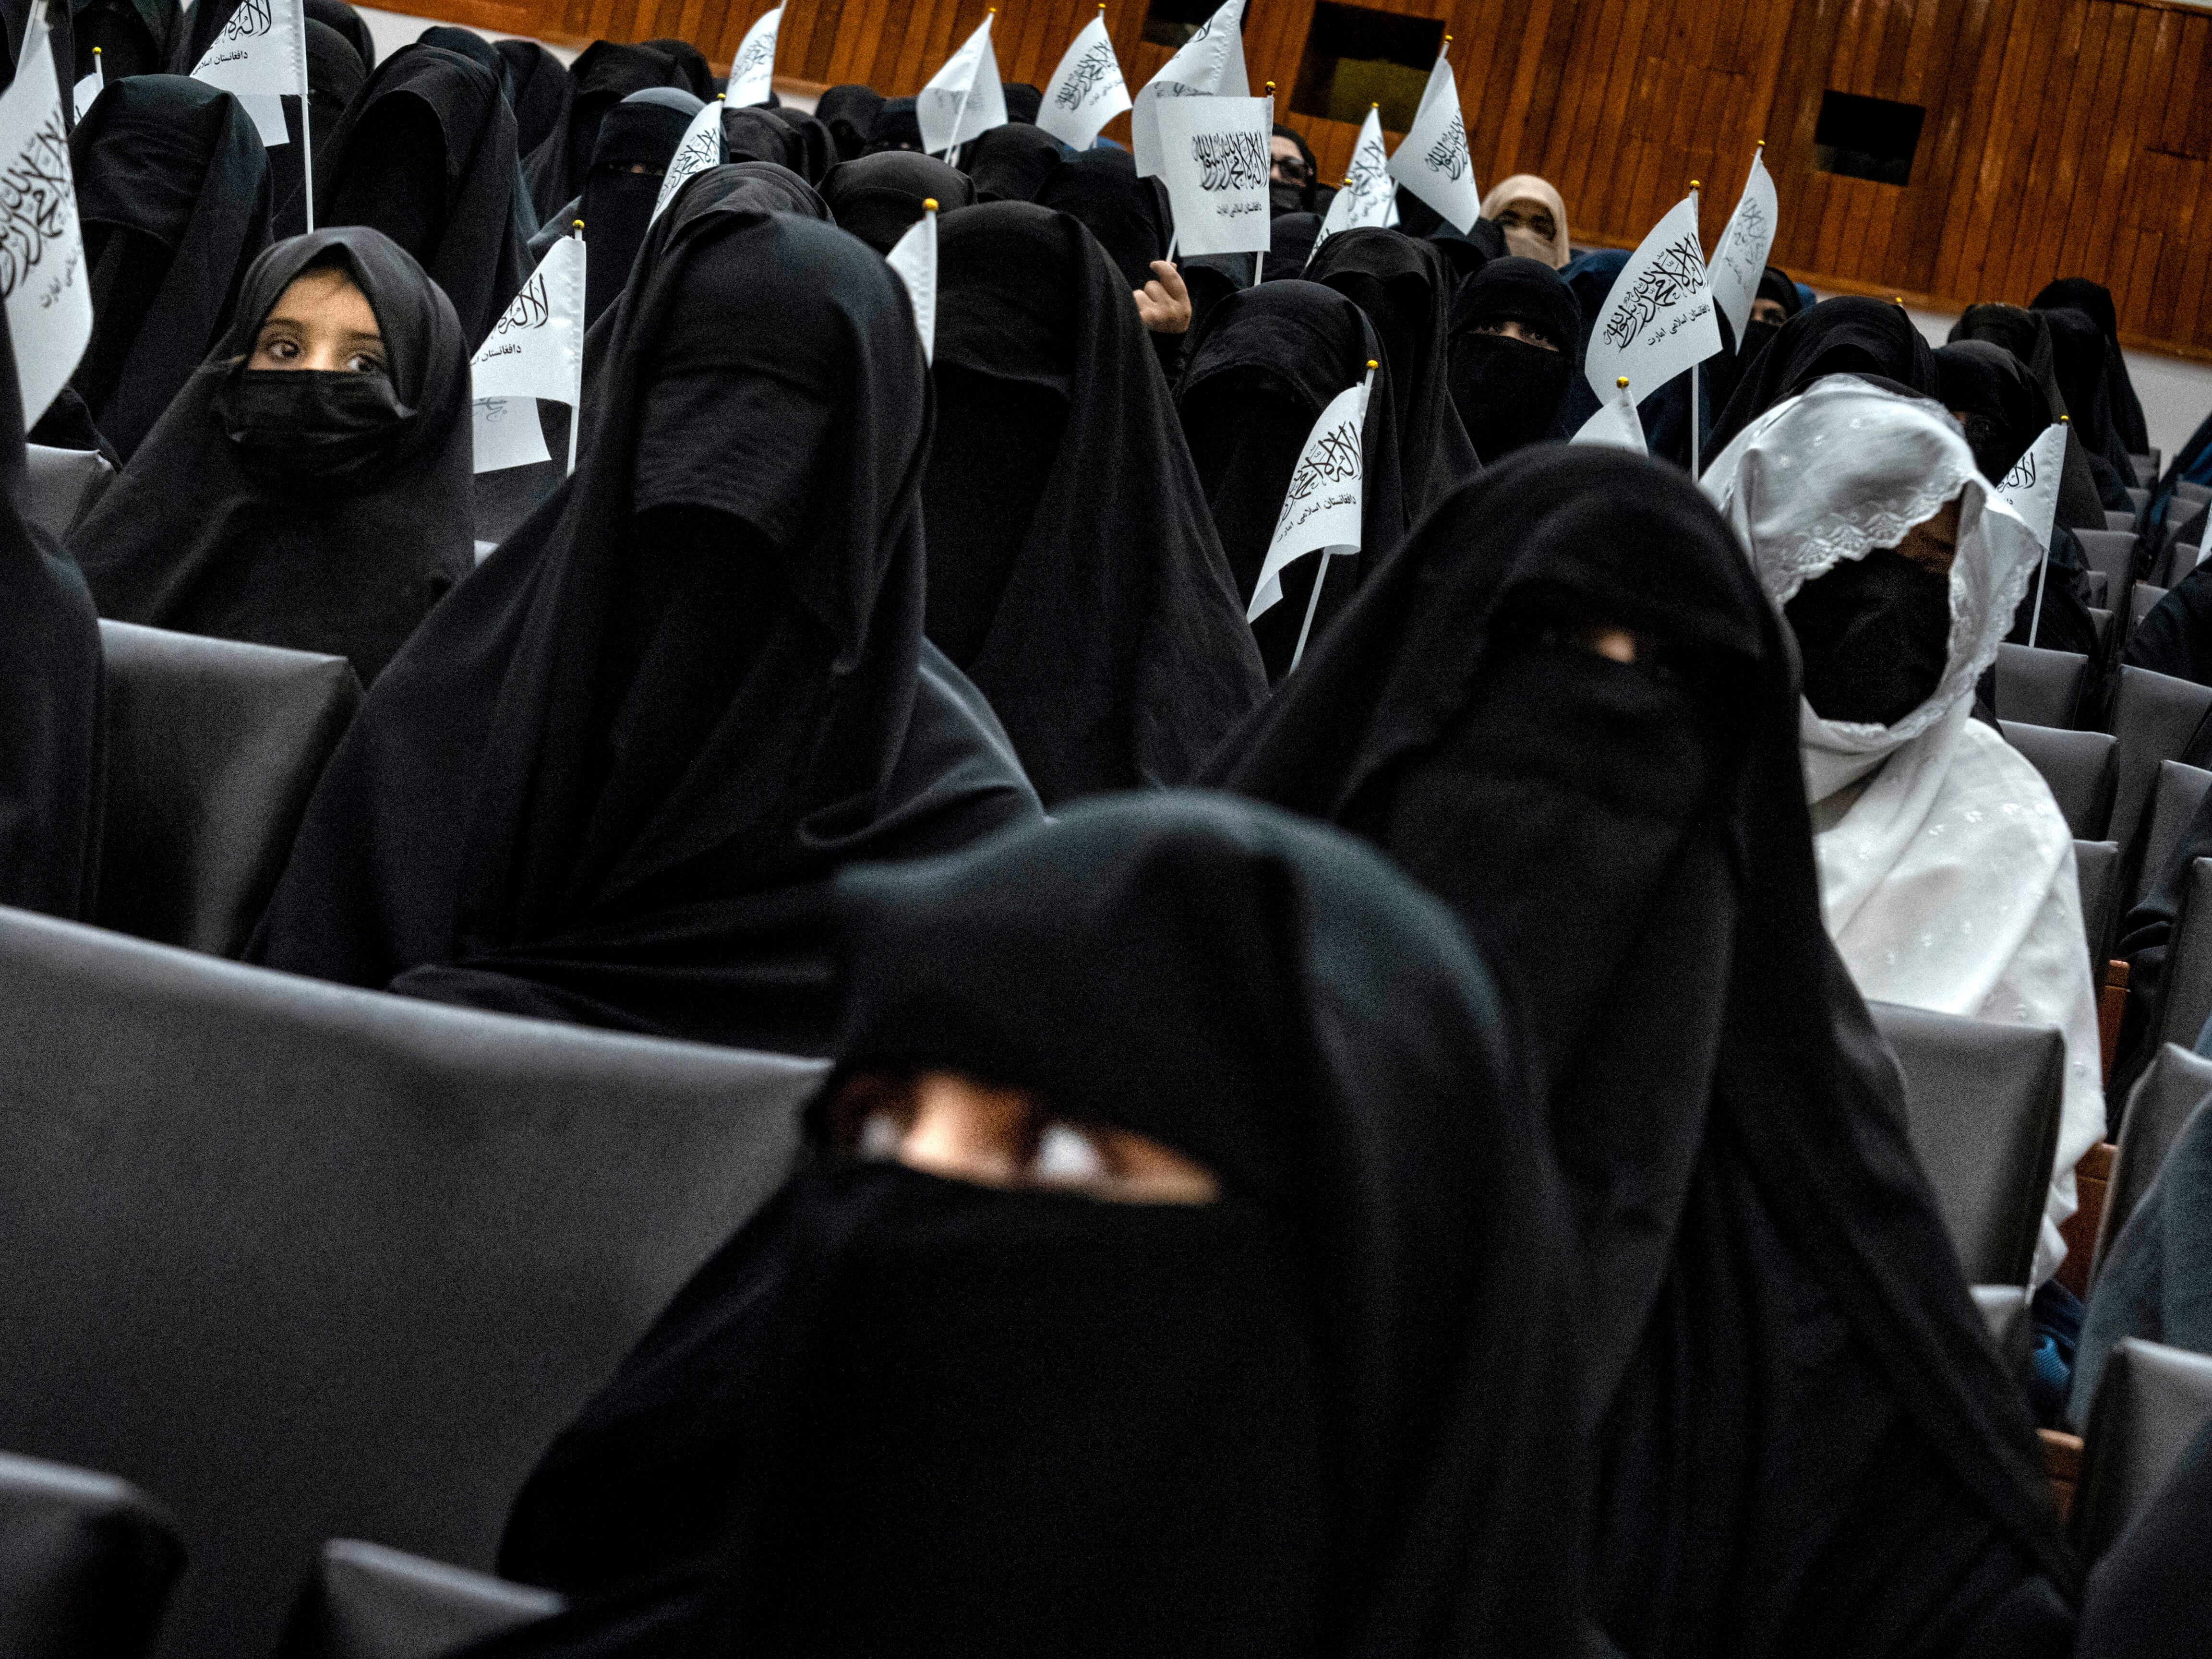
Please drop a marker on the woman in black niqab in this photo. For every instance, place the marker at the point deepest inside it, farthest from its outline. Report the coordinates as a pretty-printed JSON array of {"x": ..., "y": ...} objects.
[
  {"x": 878, "y": 197},
  {"x": 1317, "y": 1414},
  {"x": 2088, "y": 485},
  {"x": 1074, "y": 572},
  {"x": 609, "y": 782},
  {"x": 1849, "y": 335},
  {"x": 1261, "y": 368},
  {"x": 427, "y": 155},
  {"x": 1509, "y": 390},
  {"x": 335, "y": 74},
  {"x": 1100, "y": 189},
  {"x": 849, "y": 110},
  {"x": 698, "y": 78},
  {"x": 1566, "y": 708},
  {"x": 1405, "y": 288},
  {"x": 1012, "y": 163},
  {"x": 2094, "y": 302},
  {"x": 319, "y": 510},
  {"x": 636, "y": 142},
  {"x": 333, "y": 14},
  {"x": 603, "y": 73},
  {"x": 895, "y": 126},
  {"x": 2080, "y": 358},
  {"x": 133, "y": 36},
  {"x": 540, "y": 91},
  {"x": 173, "y": 189},
  {"x": 755, "y": 135}
]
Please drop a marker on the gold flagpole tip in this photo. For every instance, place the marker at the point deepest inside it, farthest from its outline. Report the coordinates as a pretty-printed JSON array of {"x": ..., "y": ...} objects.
[
  {"x": 1448, "y": 40},
  {"x": 1370, "y": 105},
  {"x": 1761, "y": 145},
  {"x": 1270, "y": 88},
  {"x": 929, "y": 204},
  {"x": 1694, "y": 184},
  {"x": 1897, "y": 300},
  {"x": 2065, "y": 420},
  {"x": 1374, "y": 362},
  {"x": 576, "y": 224},
  {"x": 1622, "y": 383}
]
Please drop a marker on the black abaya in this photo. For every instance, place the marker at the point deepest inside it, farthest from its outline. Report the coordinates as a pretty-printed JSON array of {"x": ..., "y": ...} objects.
[
  {"x": 1012, "y": 163},
  {"x": 1100, "y": 189},
  {"x": 540, "y": 91},
  {"x": 133, "y": 36},
  {"x": 602, "y": 75},
  {"x": 335, "y": 74},
  {"x": 1846, "y": 335},
  {"x": 1074, "y": 572},
  {"x": 2094, "y": 302},
  {"x": 848, "y": 112},
  {"x": 636, "y": 142},
  {"x": 878, "y": 197},
  {"x": 610, "y": 779},
  {"x": 1511, "y": 393},
  {"x": 2087, "y": 482},
  {"x": 320, "y": 510}
]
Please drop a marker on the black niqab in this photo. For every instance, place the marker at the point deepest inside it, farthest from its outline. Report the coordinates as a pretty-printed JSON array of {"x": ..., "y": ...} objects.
[
  {"x": 1807, "y": 1442},
  {"x": 2079, "y": 357},
  {"x": 1509, "y": 392},
  {"x": 698, "y": 78},
  {"x": 608, "y": 781},
  {"x": 540, "y": 91},
  {"x": 603, "y": 73},
  {"x": 335, "y": 74},
  {"x": 1849, "y": 335},
  {"x": 1011, "y": 163},
  {"x": 1321, "y": 1037},
  {"x": 1290, "y": 237},
  {"x": 878, "y": 197},
  {"x": 2087, "y": 484},
  {"x": 1100, "y": 189},
  {"x": 895, "y": 126},
  {"x": 2094, "y": 302},
  {"x": 1024, "y": 101},
  {"x": 337, "y": 15},
  {"x": 322, "y": 511},
  {"x": 133, "y": 36},
  {"x": 1074, "y": 573},
  {"x": 817, "y": 150},
  {"x": 636, "y": 142},
  {"x": 849, "y": 112}
]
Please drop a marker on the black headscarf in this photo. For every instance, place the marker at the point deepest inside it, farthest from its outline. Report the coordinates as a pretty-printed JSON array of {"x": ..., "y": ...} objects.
[
  {"x": 472, "y": 45},
  {"x": 1023, "y": 101},
  {"x": 1073, "y": 569},
  {"x": 1405, "y": 288},
  {"x": 849, "y": 112},
  {"x": 133, "y": 36},
  {"x": 635, "y": 143},
  {"x": 1100, "y": 189},
  {"x": 2079, "y": 355},
  {"x": 2094, "y": 302},
  {"x": 817, "y": 151},
  {"x": 609, "y": 780},
  {"x": 1318, "y": 1416},
  {"x": 878, "y": 197},
  {"x": 321, "y": 510},
  {"x": 332, "y": 14},
  {"x": 1806, "y": 1441},
  {"x": 1849, "y": 335},
  {"x": 698, "y": 78},
  {"x": 1290, "y": 238},
  {"x": 426, "y": 154},
  {"x": 540, "y": 91},
  {"x": 1509, "y": 392},
  {"x": 895, "y": 126},
  {"x": 602, "y": 75},
  {"x": 173, "y": 189},
  {"x": 335, "y": 74},
  {"x": 1011, "y": 163},
  {"x": 1260, "y": 370},
  {"x": 2087, "y": 482}
]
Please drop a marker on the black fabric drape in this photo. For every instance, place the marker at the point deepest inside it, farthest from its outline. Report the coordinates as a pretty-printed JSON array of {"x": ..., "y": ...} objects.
[
  {"x": 698, "y": 78},
  {"x": 2079, "y": 359},
  {"x": 1100, "y": 189},
  {"x": 1260, "y": 372},
  {"x": 1011, "y": 163},
  {"x": 1290, "y": 238},
  {"x": 1377, "y": 1467},
  {"x": 1024, "y": 101},
  {"x": 878, "y": 197},
  {"x": 2175, "y": 636},
  {"x": 757, "y": 135},
  {"x": 603, "y": 73},
  {"x": 336, "y": 14},
  {"x": 541, "y": 92},
  {"x": 817, "y": 150},
  {"x": 2094, "y": 302},
  {"x": 1510, "y": 393},
  {"x": 895, "y": 126},
  {"x": 309, "y": 524},
  {"x": 173, "y": 189},
  {"x": 2027, "y": 334},
  {"x": 849, "y": 112},
  {"x": 335, "y": 74},
  {"x": 1849, "y": 335},
  {"x": 609, "y": 780},
  {"x": 636, "y": 142},
  {"x": 427, "y": 155},
  {"x": 1807, "y": 1444},
  {"x": 134, "y": 36},
  {"x": 474, "y": 47},
  {"x": 1406, "y": 288},
  {"x": 1074, "y": 572}
]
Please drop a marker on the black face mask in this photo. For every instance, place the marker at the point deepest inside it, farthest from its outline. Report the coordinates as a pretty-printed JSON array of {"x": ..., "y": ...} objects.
[
  {"x": 1286, "y": 198},
  {"x": 1995, "y": 455},
  {"x": 1041, "y": 1423},
  {"x": 1755, "y": 337},
  {"x": 322, "y": 426},
  {"x": 1876, "y": 636},
  {"x": 1508, "y": 391}
]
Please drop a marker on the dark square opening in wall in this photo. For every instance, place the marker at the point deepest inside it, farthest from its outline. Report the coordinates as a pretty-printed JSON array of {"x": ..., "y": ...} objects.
[
  {"x": 1355, "y": 57},
  {"x": 1867, "y": 138},
  {"x": 1170, "y": 23}
]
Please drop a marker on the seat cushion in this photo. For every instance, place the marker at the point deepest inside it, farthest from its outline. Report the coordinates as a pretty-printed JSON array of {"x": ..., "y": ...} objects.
[{"x": 86, "y": 1562}]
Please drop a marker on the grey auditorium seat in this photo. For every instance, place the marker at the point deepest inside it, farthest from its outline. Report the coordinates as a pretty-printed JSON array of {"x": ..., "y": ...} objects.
[
  {"x": 64, "y": 485},
  {"x": 2176, "y": 791},
  {"x": 314, "y": 1262},
  {"x": 2170, "y": 1088},
  {"x": 2153, "y": 716},
  {"x": 2114, "y": 520},
  {"x": 86, "y": 1563},
  {"x": 2175, "y": 560},
  {"x": 1982, "y": 1102},
  {"x": 2150, "y": 1402},
  {"x": 2038, "y": 687},
  {"x": 2114, "y": 553},
  {"x": 2141, "y": 600},
  {"x": 2139, "y": 495},
  {"x": 212, "y": 748},
  {"x": 2146, "y": 469},
  {"x": 2097, "y": 873},
  {"x": 2097, "y": 591},
  {"x": 2078, "y": 767},
  {"x": 364, "y": 1602},
  {"x": 2003, "y": 1308}
]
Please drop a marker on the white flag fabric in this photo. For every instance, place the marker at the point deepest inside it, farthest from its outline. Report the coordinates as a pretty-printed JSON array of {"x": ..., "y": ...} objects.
[
  {"x": 1210, "y": 65},
  {"x": 964, "y": 100},
  {"x": 1432, "y": 160},
  {"x": 261, "y": 59},
  {"x": 1660, "y": 319},
  {"x": 1615, "y": 424},
  {"x": 701, "y": 148},
  {"x": 1740, "y": 259},
  {"x": 913, "y": 256},
  {"x": 537, "y": 350},
  {"x": 1216, "y": 172},
  {"x": 1368, "y": 195},
  {"x": 42, "y": 270},
  {"x": 86, "y": 90},
  {"x": 1321, "y": 512},
  {"x": 1087, "y": 90},
  {"x": 753, "y": 71},
  {"x": 2031, "y": 489}
]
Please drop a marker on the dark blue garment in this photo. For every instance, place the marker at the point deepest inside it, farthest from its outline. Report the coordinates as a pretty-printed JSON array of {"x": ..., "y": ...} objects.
[{"x": 1666, "y": 412}]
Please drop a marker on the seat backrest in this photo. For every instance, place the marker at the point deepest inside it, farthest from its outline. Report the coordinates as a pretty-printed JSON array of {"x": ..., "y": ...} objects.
[
  {"x": 62, "y": 485},
  {"x": 86, "y": 1563},
  {"x": 2186, "y": 987},
  {"x": 2168, "y": 1091},
  {"x": 2153, "y": 716},
  {"x": 2145, "y": 468},
  {"x": 2097, "y": 873},
  {"x": 2150, "y": 1402},
  {"x": 315, "y": 1262},
  {"x": 2175, "y": 560},
  {"x": 2175, "y": 795},
  {"x": 212, "y": 748},
  {"x": 2096, "y": 591},
  {"x": 1981, "y": 1102},
  {"x": 2114, "y": 521},
  {"x": 2038, "y": 687},
  {"x": 2114, "y": 553},
  {"x": 2197, "y": 493},
  {"x": 2101, "y": 619},
  {"x": 2141, "y": 599},
  {"x": 2003, "y": 1308},
  {"x": 2139, "y": 495},
  {"x": 2078, "y": 767},
  {"x": 364, "y": 1602}
]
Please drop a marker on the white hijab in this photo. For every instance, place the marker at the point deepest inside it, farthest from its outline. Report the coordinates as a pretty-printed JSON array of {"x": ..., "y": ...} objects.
[{"x": 1948, "y": 883}]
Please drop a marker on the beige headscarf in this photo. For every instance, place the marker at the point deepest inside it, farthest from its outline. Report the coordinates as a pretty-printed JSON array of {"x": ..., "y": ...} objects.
[{"x": 1527, "y": 187}]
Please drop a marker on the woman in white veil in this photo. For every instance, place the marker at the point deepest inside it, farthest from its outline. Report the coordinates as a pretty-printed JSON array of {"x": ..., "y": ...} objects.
[{"x": 1946, "y": 870}]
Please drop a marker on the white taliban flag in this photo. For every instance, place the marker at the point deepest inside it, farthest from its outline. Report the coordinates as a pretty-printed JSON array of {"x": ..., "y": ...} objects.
[
  {"x": 261, "y": 59},
  {"x": 1210, "y": 65},
  {"x": 2031, "y": 490},
  {"x": 1432, "y": 160},
  {"x": 1322, "y": 508},
  {"x": 701, "y": 148},
  {"x": 1740, "y": 259},
  {"x": 753, "y": 71},
  {"x": 1615, "y": 424},
  {"x": 913, "y": 256},
  {"x": 1216, "y": 172},
  {"x": 1368, "y": 195},
  {"x": 964, "y": 100},
  {"x": 88, "y": 88},
  {"x": 1660, "y": 319},
  {"x": 42, "y": 270},
  {"x": 1087, "y": 90},
  {"x": 537, "y": 350}
]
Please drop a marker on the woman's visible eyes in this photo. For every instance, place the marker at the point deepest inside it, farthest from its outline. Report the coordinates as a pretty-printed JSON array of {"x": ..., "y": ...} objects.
[
  {"x": 365, "y": 362},
  {"x": 282, "y": 347}
]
